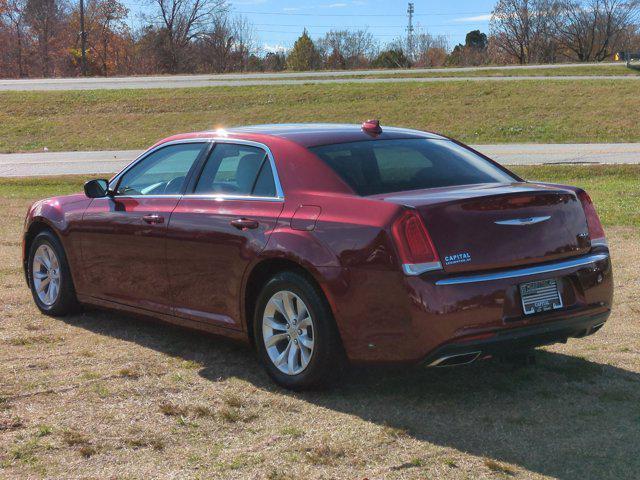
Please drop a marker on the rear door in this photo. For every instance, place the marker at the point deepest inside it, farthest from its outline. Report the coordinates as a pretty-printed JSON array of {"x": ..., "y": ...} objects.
[
  {"x": 123, "y": 236},
  {"x": 218, "y": 228}
]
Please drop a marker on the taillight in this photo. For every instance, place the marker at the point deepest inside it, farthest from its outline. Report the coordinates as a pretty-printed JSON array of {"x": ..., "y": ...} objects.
[
  {"x": 415, "y": 246},
  {"x": 596, "y": 232}
]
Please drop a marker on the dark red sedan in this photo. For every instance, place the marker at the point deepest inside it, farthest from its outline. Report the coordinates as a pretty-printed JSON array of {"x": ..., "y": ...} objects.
[{"x": 327, "y": 243}]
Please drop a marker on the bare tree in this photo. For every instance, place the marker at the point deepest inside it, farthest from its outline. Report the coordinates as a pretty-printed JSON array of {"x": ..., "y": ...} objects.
[
  {"x": 523, "y": 29},
  {"x": 348, "y": 49},
  {"x": 227, "y": 45},
  {"x": 108, "y": 17},
  {"x": 593, "y": 31},
  {"x": 12, "y": 14},
  {"x": 44, "y": 18},
  {"x": 182, "y": 21},
  {"x": 244, "y": 42},
  {"x": 427, "y": 49},
  {"x": 430, "y": 50}
]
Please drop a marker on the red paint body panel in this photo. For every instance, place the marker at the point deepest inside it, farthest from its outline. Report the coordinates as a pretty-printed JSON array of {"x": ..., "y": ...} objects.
[
  {"x": 207, "y": 257},
  {"x": 193, "y": 268},
  {"x": 462, "y": 219},
  {"x": 124, "y": 257}
]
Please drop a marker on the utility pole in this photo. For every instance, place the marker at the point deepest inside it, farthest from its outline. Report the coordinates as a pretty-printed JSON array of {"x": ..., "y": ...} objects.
[
  {"x": 83, "y": 41},
  {"x": 410, "y": 12}
]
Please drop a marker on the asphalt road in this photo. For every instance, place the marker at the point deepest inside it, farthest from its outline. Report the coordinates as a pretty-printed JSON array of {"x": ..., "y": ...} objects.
[
  {"x": 87, "y": 163},
  {"x": 287, "y": 78}
]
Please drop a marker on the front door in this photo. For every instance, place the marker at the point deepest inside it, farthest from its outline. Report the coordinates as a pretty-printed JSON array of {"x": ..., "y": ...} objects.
[
  {"x": 123, "y": 236},
  {"x": 217, "y": 229}
]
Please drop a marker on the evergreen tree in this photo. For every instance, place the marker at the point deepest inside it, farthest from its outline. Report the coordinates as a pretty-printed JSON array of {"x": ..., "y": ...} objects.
[{"x": 303, "y": 55}]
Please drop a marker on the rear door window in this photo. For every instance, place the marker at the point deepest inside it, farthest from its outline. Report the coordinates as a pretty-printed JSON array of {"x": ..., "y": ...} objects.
[
  {"x": 234, "y": 169},
  {"x": 384, "y": 166}
]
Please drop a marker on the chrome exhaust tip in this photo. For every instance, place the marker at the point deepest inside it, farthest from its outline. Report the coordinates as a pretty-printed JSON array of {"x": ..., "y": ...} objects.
[{"x": 454, "y": 360}]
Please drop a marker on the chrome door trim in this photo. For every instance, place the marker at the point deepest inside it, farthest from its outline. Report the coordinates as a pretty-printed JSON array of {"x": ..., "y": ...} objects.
[
  {"x": 223, "y": 197},
  {"x": 276, "y": 178},
  {"x": 525, "y": 272},
  {"x": 159, "y": 195}
]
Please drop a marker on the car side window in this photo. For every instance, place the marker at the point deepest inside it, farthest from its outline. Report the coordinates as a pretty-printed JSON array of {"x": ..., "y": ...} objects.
[
  {"x": 265, "y": 184},
  {"x": 162, "y": 172},
  {"x": 235, "y": 169}
]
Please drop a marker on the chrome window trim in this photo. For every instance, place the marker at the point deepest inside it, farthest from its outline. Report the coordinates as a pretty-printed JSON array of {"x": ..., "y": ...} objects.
[
  {"x": 276, "y": 178},
  {"x": 114, "y": 181},
  {"x": 222, "y": 197},
  {"x": 172, "y": 195},
  {"x": 525, "y": 272}
]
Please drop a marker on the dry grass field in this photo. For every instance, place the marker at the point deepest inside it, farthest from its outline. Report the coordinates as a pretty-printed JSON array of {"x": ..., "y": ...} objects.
[{"x": 103, "y": 395}]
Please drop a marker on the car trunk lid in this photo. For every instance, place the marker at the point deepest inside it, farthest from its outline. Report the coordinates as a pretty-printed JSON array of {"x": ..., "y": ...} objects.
[{"x": 491, "y": 226}]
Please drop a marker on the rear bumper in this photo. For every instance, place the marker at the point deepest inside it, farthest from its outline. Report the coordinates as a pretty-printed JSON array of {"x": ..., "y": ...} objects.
[
  {"x": 504, "y": 342},
  {"x": 386, "y": 317}
]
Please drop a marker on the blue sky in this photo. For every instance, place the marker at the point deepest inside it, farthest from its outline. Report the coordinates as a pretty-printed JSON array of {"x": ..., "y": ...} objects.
[{"x": 278, "y": 23}]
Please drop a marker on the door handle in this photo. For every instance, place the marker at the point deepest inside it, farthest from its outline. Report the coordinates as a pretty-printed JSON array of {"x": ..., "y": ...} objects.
[
  {"x": 153, "y": 219},
  {"x": 245, "y": 223}
]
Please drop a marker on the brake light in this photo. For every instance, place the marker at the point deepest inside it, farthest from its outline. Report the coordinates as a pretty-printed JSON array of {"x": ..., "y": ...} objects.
[
  {"x": 596, "y": 232},
  {"x": 372, "y": 127},
  {"x": 414, "y": 243}
]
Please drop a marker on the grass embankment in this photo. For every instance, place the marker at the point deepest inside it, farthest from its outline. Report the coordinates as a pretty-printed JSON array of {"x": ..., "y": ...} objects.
[
  {"x": 483, "y": 112},
  {"x": 584, "y": 71},
  {"x": 153, "y": 401},
  {"x": 614, "y": 189}
]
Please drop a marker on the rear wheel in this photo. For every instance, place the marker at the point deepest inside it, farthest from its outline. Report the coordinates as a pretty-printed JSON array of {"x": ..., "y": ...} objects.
[
  {"x": 295, "y": 333},
  {"x": 49, "y": 276}
]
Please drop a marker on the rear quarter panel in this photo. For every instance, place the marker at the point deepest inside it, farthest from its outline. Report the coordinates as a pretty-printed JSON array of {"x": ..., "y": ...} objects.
[{"x": 351, "y": 255}]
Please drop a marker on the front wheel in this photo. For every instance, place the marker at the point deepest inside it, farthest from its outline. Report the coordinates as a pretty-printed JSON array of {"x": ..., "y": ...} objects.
[
  {"x": 49, "y": 276},
  {"x": 295, "y": 333}
]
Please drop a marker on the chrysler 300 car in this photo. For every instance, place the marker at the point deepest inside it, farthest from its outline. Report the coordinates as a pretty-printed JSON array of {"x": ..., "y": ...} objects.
[{"x": 323, "y": 244}]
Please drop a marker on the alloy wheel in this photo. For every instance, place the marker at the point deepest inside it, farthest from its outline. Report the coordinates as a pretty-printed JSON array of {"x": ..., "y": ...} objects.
[
  {"x": 46, "y": 274},
  {"x": 288, "y": 332}
]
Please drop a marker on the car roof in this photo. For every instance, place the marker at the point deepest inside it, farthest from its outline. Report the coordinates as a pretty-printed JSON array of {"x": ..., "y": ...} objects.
[{"x": 308, "y": 134}]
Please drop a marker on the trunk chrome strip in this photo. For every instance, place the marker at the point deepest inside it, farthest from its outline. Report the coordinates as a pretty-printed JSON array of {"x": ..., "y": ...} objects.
[{"x": 525, "y": 272}]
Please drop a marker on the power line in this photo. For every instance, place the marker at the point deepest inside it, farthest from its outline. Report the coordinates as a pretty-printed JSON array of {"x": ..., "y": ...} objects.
[
  {"x": 393, "y": 35},
  {"x": 363, "y": 27},
  {"x": 358, "y": 15}
]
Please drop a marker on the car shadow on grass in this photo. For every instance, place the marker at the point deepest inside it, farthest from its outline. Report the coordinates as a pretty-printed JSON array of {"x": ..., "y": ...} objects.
[{"x": 565, "y": 417}]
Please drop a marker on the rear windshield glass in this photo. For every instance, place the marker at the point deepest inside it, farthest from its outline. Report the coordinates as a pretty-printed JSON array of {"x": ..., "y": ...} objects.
[{"x": 383, "y": 166}]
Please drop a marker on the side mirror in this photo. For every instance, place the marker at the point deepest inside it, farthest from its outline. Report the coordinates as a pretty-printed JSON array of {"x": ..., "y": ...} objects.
[{"x": 96, "y": 188}]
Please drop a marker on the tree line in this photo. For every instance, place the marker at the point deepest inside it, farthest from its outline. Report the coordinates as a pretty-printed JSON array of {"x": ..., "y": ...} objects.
[{"x": 42, "y": 38}]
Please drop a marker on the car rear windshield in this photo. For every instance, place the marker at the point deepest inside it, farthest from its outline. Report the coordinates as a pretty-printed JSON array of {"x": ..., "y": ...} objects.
[{"x": 383, "y": 166}]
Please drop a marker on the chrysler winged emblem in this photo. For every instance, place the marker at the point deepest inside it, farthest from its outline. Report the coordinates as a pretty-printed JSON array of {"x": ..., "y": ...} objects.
[{"x": 523, "y": 221}]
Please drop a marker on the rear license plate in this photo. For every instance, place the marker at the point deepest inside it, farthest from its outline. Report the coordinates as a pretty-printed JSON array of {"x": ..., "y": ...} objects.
[{"x": 540, "y": 296}]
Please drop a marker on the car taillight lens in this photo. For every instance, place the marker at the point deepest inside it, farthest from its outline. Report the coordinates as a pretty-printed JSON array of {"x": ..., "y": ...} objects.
[
  {"x": 596, "y": 232},
  {"x": 413, "y": 240}
]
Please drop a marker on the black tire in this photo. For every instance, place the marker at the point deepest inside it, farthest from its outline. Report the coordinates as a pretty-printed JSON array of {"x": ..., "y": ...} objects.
[
  {"x": 66, "y": 301},
  {"x": 328, "y": 361}
]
